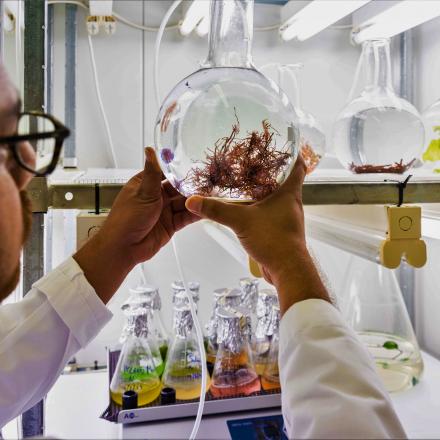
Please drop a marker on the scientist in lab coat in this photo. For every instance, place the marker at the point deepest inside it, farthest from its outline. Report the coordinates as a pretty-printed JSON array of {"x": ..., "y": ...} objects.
[{"x": 329, "y": 385}]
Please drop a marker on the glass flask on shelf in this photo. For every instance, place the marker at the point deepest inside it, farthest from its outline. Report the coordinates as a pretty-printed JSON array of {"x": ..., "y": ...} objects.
[
  {"x": 249, "y": 297},
  {"x": 140, "y": 364},
  {"x": 212, "y": 326},
  {"x": 149, "y": 295},
  {"x": 262, "y": 336},
  {"x": 378, "y": 132},
  {"x": 226, "y": 130},
  {"x": 312, "y": 137},
  {"x": 234, "y": 373},
  {"x": 431, "y": 118},
  {"x": 183, "y": 367},
  {"x": 372, "y": 303},
  {"x": 270, "y": 380}
]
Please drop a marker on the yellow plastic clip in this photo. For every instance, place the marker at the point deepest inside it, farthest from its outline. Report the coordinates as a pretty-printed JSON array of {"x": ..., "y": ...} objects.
[{"x": 403, "y": 237}]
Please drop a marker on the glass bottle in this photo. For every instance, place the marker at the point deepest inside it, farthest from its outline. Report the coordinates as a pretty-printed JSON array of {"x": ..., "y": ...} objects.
[
  {"x": 372, "y": 303},
  {"x": 140, "y": 364},
  {"x": 234, "y": 373},
  {"x": 378, "y": 132},
  {"x": 212, "y": 326},
  {"x": 312, "y": 137},
  {"x": 270, "y": 380},
  {"x": 183, "y": 367},
  {"x": 150, "y": 296},
  {"x": 431, "y": 117},
  {"x": 226, "y": 130},
  {"x": 262, "y": 336}
]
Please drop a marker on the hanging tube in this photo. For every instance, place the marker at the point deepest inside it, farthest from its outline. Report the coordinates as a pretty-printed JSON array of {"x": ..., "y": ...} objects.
[{"x": 356, "y": 240}]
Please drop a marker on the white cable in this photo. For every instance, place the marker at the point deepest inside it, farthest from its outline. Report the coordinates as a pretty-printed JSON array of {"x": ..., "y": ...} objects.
[
  {"x": 199, "y": 340},
  {"x": 18, "y": 46},
  {"x": 142, "y": 27},
  {"x": 159, "y": 36},
  {"x": 101, "y": 104}
]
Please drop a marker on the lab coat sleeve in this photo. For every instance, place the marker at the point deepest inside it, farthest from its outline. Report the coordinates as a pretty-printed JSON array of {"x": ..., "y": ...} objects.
[
  {"x": 39, "y": 334},
  {"x": 330, "y": 388}
]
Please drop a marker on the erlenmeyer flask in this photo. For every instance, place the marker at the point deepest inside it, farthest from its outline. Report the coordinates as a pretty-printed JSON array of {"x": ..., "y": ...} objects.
[
  {"x": 140, "y": 364},
  {"x": 372, "y": 303},
  {"x": 378, "y": 132},
  {"x": 226, "y": 130},
  {"x": 249, "y": 297},
  {"x": 431, "y": 117},
  {"x": 149, "y": 296},
  {"x": 212, "y": 326},
  {"x": 183, "y": 367},
  {"x": 234, "y": 373},
  {"x": 261, "y": 338},
  {"x": 312, "y": 137},
  {"x": 270, "y": 380}
]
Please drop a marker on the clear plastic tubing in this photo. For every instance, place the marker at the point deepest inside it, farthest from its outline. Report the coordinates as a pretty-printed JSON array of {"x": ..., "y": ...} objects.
[{"x": 173, "y": 241}]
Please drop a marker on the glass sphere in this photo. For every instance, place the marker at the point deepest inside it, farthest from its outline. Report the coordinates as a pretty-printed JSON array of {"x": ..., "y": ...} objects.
[
  {"x": 226, "y": 132},
  {"x": 378, "y": 132},
  {"x": 431, "y": 117}
]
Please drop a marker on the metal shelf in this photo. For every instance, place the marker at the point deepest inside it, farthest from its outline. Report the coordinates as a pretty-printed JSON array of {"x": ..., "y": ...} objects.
[{"x": 325, "y": 188}]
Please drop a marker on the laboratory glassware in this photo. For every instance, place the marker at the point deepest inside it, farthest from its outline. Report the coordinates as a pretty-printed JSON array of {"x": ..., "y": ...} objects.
[
  {"x": 140, "y": 364},
  {"x": 212, "y": 326},
  {"x": 270, "y": 380},
  {"x": 249, "y": 297},
  {"x": 378, "y": 132},
  {"x": 234, "y": 372},
  {"x": 431, "y": 118},
  {"x": 312, "y": 137},
  {"x": 149, "y": 296},
  {"x": 183, "y": 366},
  {"x": 262, "y": 337},
  {"x": 371, "y": 302},
  {"x": 226, "y": 130},
  {"x": 179, "y": 294}
]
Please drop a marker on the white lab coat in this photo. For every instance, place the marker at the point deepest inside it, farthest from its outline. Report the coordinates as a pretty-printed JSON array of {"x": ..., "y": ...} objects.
[{"x": 330, "y": 388}]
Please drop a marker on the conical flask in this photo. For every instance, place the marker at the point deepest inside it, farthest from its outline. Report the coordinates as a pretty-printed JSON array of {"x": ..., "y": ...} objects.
[
  {"x": 148, "y": 295},
  {"x": 139, "y": 366},
  {"x": 212, "y": 326},
  {"x": 249, "y": 297},
  {"x": 262, "y": 337},
  {"x": 226, "y": 130},
  {"x": 378, "y": 132},
  {"x": 183, "y": 367},
  {"x": 270, "y": 380},
  {"x": 431, "y": 118},
  {"x": 372, "y": 303},
  {"x": 234, "y": 373},
  {"x": 312, "y": 137}
]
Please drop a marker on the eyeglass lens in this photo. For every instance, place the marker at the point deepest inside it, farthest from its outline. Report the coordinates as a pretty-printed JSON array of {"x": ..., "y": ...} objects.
[{"x": 44, "y": 148}]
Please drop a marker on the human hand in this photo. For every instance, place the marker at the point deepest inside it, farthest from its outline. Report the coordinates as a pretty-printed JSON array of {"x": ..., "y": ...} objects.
[
  {"x": 145, "y": 215},
  {"x": 272, "y": 233}
]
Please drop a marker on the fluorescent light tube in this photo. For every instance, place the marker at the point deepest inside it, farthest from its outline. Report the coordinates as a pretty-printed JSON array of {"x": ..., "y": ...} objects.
[
  {"x": 316, "y": 16},
  {"x": 197, "y": 11},
  {"x": 203, "y": 27},
  {"x": 398, "y": 18}
]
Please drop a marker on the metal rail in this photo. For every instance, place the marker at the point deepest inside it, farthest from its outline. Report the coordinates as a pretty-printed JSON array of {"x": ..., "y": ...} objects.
[{"x": 82, "y": 196}]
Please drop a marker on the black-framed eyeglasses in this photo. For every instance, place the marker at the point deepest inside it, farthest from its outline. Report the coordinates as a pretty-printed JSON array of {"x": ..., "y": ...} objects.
[{"x": 45, "y": 133}]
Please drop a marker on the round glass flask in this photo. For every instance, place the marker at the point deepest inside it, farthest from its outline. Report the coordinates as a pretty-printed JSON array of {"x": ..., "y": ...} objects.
[
  {"x": 226, "y": 130},
  {"x": 378, "y": 132}
]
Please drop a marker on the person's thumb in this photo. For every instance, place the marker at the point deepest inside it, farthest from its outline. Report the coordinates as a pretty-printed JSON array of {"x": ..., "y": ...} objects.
[
  {"x": 227, "y": 214},
  {"x": 150, "y": 188}
]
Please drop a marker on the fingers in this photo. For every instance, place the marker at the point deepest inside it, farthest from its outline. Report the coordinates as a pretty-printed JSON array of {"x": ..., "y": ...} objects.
[
  {"x": 225, "y": 213},
  {"x": 294, "y": 181},
  {"x": 151, "y": 183},
  {"x": 184, "y": 218}
]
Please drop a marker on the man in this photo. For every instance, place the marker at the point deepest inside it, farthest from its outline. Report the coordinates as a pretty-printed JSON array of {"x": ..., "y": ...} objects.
[
  {"x": 329, "y": 385},
  {"x": 65, "y": 309}
]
